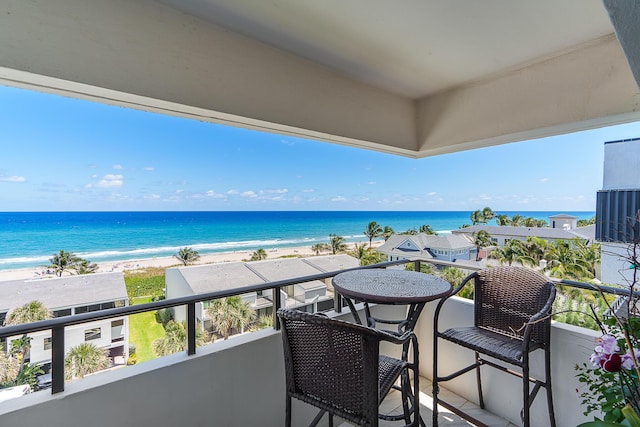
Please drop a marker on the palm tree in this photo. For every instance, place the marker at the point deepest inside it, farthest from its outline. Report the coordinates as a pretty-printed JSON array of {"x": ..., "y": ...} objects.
[
  {"x": 512, "y": 251},
  {"x": 502, "y": 220},
  {"x": 589, "y": 253},
  {"x": 476, "y": 217},
  {"x": 453, "y": 275},
  {"x": 84, "y": 266},
  {"x": 84, "y": 359},
  {"x": 175, "y": 339},
  {"x": 426, "y": 228},
  {"x": 359, "y": 250},
  {"x": 9, "y": 368},
  {"x": 187, "y": 255},
  {"x": 373, "y": 230},
  {"x": 258, "y": 255},
  {"x": 585, "y": 222},
  {"x": 488, "y": 214},
  {"x": 230, "y": 313},
  {"x": 536, "y": 248},
  {"x": 319, "y": 247},
  {"x": 564, "y": 262},
  {"x": 387, "y": 232},
  {"x": 337, "y": 243},
  {"x": 481, "y": 239},
  {"x": 30, "y": 312},
  {"x": 517, "y": 220},
  {"x": 63, "y": 260}
]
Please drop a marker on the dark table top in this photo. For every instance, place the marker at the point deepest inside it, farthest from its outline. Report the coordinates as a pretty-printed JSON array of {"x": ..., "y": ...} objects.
[{"x": 390, "y": 286}]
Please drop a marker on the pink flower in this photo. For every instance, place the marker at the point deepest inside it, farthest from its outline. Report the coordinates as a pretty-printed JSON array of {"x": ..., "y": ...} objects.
[
  {"x": 627, "y": 360},
  {"x": 607, "y": 344}
]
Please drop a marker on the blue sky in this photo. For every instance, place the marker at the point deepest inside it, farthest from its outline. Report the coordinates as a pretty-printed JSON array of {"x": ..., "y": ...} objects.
[{"x": 61, "y": 154}]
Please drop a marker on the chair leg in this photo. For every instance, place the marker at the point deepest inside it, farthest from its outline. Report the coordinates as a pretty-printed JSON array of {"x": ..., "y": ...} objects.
[
  {"x": 525, "y": 394},
  {"x": 479, "y": 382},
  {"x": 547, "y": 380},
  {"x": 434, "y": 382},
  {"x": 288, "y": 416}
]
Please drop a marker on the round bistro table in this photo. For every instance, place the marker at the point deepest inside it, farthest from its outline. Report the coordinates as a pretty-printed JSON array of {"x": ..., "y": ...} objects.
[
  {"x": 395, "y": 287},
  {"x": 390, "y": 286}
]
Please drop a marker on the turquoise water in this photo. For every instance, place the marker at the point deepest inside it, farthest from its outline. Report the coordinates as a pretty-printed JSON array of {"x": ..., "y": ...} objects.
[{"x": 29, "y": 239}]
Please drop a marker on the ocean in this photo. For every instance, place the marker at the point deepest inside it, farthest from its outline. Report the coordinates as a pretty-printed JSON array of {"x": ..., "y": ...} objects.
[{"x": 29, "y": 239}]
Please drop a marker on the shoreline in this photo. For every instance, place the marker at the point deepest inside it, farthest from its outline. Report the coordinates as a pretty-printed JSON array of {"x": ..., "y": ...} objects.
[{"x": 35, "y": 273}]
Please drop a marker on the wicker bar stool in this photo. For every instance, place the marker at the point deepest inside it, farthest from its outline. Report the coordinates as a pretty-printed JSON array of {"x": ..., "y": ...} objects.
[
  {"x": 512, "y": 307},
  {"x": 337, "y": 366}
]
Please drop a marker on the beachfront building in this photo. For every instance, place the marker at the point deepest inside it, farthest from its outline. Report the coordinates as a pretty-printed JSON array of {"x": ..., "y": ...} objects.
[
  {"x": 563, "y": 221},
  {"x": 314, "y": 295},
  {"x": 399, "y": 78},
  {"x": 422, "y": 246},
  {"x": 618, "y": 210},
  {"x": 66, "y": 296},
  {"x": 501, "y": 234}
]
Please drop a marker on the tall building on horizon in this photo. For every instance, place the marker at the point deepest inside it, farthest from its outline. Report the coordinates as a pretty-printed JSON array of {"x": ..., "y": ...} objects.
[{"x": 618, "y": 209}]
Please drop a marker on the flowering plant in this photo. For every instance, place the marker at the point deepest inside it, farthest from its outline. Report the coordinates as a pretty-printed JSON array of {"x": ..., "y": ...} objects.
[{"x": 613, "y": 377}]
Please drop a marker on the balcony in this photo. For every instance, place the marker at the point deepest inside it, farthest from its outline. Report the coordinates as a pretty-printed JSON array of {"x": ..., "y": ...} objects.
[{"x": 226, "y": 383}]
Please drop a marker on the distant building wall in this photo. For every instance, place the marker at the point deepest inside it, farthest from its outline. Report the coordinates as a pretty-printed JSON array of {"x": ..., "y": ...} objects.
[{"x": 618, "y": 209}]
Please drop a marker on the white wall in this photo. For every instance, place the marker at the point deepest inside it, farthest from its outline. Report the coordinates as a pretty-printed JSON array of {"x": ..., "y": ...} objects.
[
  {"x": 74, "y": 335},
  {"x": 621, "y": 165}
]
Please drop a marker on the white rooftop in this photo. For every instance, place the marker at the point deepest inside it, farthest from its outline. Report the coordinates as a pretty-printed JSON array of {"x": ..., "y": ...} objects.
[{"x": 63, "y": 292}]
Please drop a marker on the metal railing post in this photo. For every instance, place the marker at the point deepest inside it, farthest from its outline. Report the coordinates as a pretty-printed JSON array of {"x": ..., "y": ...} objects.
[
  {"x": 277, "y": 303},
  {"x": 57, "y": 359},
  {"x": 191, "y": 328}
]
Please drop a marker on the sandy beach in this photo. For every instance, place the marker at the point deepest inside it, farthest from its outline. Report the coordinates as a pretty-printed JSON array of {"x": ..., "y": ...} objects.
[{"x": 164, "y": 262}]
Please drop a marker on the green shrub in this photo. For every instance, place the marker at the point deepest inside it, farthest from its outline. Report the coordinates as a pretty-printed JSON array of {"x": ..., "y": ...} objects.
[{"x": 132, "y": 360}]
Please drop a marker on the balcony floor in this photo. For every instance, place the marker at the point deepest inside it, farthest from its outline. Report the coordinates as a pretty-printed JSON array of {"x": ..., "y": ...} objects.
[{"x": 393, "y": 405}]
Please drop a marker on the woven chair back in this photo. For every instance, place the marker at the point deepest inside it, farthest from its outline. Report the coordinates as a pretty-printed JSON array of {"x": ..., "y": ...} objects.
[
  {"x": 507, "y": 297},
  {"x": 332, "y": 365}
]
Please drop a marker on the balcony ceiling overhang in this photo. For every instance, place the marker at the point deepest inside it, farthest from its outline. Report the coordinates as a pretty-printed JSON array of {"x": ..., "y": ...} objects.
[{"x": 415, "y": 78}]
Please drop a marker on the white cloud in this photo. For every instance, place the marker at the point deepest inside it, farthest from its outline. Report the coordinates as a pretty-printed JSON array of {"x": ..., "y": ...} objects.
[
  {"x": 149, "y": 168},
  {"x": 215, "y": 195},
  {"x": 118, "y": 167},
  {"x": 12, "y": 178},
  {"x": 278, "y": 191},
  {"x": 371, "y": 183},
  {"x": 249, "y": 194},
  {"x": 544, "y": 179},
  {"x": 233, "y": 192},
  {"x": 431, "y": 193},
  {"x": 308, "y": 190},
  {"x": 111, "y": 181},
  {"x": 339, "y": 199}
]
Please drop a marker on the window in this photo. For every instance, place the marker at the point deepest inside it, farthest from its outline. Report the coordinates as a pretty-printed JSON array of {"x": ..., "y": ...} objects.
[
  {"x": 107, "y": 305},
  {"x": 94, "y": 307},
  {"x": 47, "y": 343},
  {"x": 120, "y": 303},
  {"x": 82, "y": 309},
  {"x": 92, "y": 334},
  {"x": 61, "y": 313},
  {"x": 117, "y": 323}
]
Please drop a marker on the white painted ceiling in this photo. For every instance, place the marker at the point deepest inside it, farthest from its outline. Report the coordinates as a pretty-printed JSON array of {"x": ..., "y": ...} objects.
[{"x": 412, "y": 48}]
